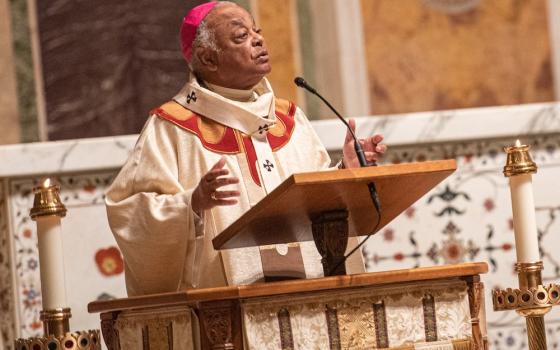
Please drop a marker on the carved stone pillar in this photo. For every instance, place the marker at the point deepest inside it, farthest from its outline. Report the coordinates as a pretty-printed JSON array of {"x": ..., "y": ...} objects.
[
  {"x": 220, "y": 324},
  {"x": 475, "y": 291},
  {"x": 108, "y": 330},
  {"x": 330, "y": 233}
]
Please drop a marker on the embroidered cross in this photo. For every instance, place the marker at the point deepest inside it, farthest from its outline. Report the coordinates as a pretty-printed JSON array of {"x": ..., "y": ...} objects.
[
  {"x": 263, "y": 128},
  {"x": 268, "y": 165},
  {"x": 192, "y": 97}
]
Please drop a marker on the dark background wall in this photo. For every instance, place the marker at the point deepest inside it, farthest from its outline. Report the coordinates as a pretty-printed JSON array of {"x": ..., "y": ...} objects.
[{"x": 106, "y": 64}]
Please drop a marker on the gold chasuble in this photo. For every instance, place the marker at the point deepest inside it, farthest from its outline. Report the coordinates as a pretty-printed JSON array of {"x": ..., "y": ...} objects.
[{"x": 166, "y": 247}]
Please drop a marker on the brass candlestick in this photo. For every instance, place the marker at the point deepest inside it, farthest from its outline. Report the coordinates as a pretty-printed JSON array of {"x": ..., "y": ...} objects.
[
  {"x": 48, "y": 209},
  {"x": 532, "y": 299}
]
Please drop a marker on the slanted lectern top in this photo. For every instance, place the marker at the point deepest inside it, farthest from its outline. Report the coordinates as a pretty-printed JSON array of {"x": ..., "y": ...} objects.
[{"x": 287, "y": 213}]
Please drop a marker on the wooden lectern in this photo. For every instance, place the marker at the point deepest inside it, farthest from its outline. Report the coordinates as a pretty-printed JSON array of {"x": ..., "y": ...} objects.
[
  {"x": 328, "y": 206},
  {"x": 427, "y": 308}
]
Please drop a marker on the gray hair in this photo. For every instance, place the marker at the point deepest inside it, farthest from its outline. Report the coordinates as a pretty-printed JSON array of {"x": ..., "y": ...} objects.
[{"x": 205, "y": 38}]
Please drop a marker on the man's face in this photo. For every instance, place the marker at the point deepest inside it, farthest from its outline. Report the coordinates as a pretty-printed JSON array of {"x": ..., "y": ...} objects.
[{"x": 243, "y": 59}]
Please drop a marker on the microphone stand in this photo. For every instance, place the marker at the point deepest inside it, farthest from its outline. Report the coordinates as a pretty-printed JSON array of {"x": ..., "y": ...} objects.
[{"x": 300, "y": 82}]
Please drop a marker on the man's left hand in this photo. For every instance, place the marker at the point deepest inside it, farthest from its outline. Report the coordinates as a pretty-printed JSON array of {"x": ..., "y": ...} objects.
[{"x": 372, "y": 146}]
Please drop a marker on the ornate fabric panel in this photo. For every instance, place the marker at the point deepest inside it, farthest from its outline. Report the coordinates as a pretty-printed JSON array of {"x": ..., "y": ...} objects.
[
  {"x": 262, "y": 328},
  {"x": 170, "y": 330},
  {"x": 452, "y": 316},
  {"x": 410, "y": 316},
  {"x": 356, "y": 326},
  {"x": 405, "y": 320},
  {"x": 309, "y": 326}
]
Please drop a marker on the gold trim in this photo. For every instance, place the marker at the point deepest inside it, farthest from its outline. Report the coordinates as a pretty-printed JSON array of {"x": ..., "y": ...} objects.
[
  {"x": 430, "y": 323},
  {"x": 56, "y": 321},
  {"x": 532, "y": 300},
  {"x": 464, "y": 344},
  {"x": 83, "y": 340},
  {"x": 519, "y": 161},
  {"x": 47, "y": 201}
]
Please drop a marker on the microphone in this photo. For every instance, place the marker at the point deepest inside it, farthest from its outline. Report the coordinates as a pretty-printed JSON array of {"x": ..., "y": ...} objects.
[
  {"x": 357, "y": 146},
  {"x": 300, "y": 82}
]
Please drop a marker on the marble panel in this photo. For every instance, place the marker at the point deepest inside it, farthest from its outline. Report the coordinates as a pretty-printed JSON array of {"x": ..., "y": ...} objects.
[
  {"x": 10, "y": 131},
  {"x": 21, "y": 40},
  {"x": 65, "y": 156},
  {"x": 449, "y": 126}
]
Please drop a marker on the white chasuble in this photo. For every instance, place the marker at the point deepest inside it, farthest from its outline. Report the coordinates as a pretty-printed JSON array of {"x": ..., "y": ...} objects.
[{"x": 165, "y": 246}]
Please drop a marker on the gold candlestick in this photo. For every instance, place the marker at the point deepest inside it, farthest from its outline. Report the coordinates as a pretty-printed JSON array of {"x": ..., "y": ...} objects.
[
  {"x": 47, "y": 211},
  {"x": 532, "y": 299}
]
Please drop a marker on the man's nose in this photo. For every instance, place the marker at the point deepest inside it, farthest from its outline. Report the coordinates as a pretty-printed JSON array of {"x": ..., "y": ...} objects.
[{"x": 258, "y": 39}]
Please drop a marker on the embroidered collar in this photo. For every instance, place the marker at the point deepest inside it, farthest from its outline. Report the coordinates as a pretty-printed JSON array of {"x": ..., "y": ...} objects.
[
  {"x": 252, "y": 118},
  {"x": 233, "y": 94}
]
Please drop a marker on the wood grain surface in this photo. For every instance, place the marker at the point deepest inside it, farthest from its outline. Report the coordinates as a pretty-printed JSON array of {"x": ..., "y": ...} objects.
[
  {"x": 195, "y": 296},
  {"x": 284, "y": 215}
]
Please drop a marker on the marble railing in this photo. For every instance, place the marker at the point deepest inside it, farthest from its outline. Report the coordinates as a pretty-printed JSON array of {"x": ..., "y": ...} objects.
[{"x": 466, "y": 218}]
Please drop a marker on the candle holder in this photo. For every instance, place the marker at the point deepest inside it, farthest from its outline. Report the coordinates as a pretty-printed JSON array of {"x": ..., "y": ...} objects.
[
  {"x": 519, "y": 161},
  {"x": 532, "y": 299},
  {"x": 56, "y": 322},
  {"x": 47, "y": 201}
]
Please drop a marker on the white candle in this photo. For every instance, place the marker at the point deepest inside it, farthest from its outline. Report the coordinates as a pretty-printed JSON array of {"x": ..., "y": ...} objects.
[
  {"x": 53, "y": 288},
  {"x": 51, "y": 262},
  {"x": 524, "y": 221}
]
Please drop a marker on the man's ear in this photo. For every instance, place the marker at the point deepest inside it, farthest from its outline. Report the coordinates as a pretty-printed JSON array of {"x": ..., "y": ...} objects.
[{"x": 208, "y": 58}]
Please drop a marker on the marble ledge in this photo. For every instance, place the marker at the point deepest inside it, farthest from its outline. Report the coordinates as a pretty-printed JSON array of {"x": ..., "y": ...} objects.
[
  {"x": 516, "y": 121},
  {"x": 68, "y": 156},
  {"x": 399, "y": 130}
]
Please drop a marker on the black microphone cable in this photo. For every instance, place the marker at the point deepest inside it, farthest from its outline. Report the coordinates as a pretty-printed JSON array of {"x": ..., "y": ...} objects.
[{"x": 300, "y": 82}]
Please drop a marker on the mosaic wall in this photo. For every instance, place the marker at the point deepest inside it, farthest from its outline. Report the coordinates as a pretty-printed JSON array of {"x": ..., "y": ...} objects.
[
  {"x": 468, "y": 218},
  {"x": 93, "y": 265}
]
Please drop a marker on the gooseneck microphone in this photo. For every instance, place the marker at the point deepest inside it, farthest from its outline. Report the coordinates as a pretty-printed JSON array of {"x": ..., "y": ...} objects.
[
  {"x": 357, "y": 146},
  {"x": 300, "y": 82}
]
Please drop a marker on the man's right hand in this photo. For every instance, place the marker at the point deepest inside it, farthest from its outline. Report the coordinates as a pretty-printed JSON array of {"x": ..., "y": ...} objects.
[{"x": 206, "y": 195}]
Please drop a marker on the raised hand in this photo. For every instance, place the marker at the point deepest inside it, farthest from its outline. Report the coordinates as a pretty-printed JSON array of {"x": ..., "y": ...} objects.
[
  {"x": 206, "y": 195},
  {"x": 372, "y": 148}
]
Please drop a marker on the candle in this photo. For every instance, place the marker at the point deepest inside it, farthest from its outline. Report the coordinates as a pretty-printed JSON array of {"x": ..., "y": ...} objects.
[
  {"x": 519, "y": 169},
  {"x": 47, "y": 211}
]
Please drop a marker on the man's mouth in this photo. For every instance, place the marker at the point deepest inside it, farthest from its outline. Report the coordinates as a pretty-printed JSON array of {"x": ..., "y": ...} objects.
[{"x": 262, "y": 56}]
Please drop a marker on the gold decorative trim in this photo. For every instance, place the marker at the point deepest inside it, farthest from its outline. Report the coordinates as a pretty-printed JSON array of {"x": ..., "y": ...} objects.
[
  {"x": 513, "y": 299},
  {"x": 145, "y": 338},
  {"x": 465, "y": 344},
  {"x": 381, "y": 332},
  {"x": 286, "y": 334},
  {"x": 82, "y": 340},
  {"x": 332, "y": 328},
  {"x": 531, "y": 300},
  {"x": 430, "y": 324},
  {"x": 56, "y": 321},
  {"x": 519, "y": 161},
  {"x": 47, "y": 201}
]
